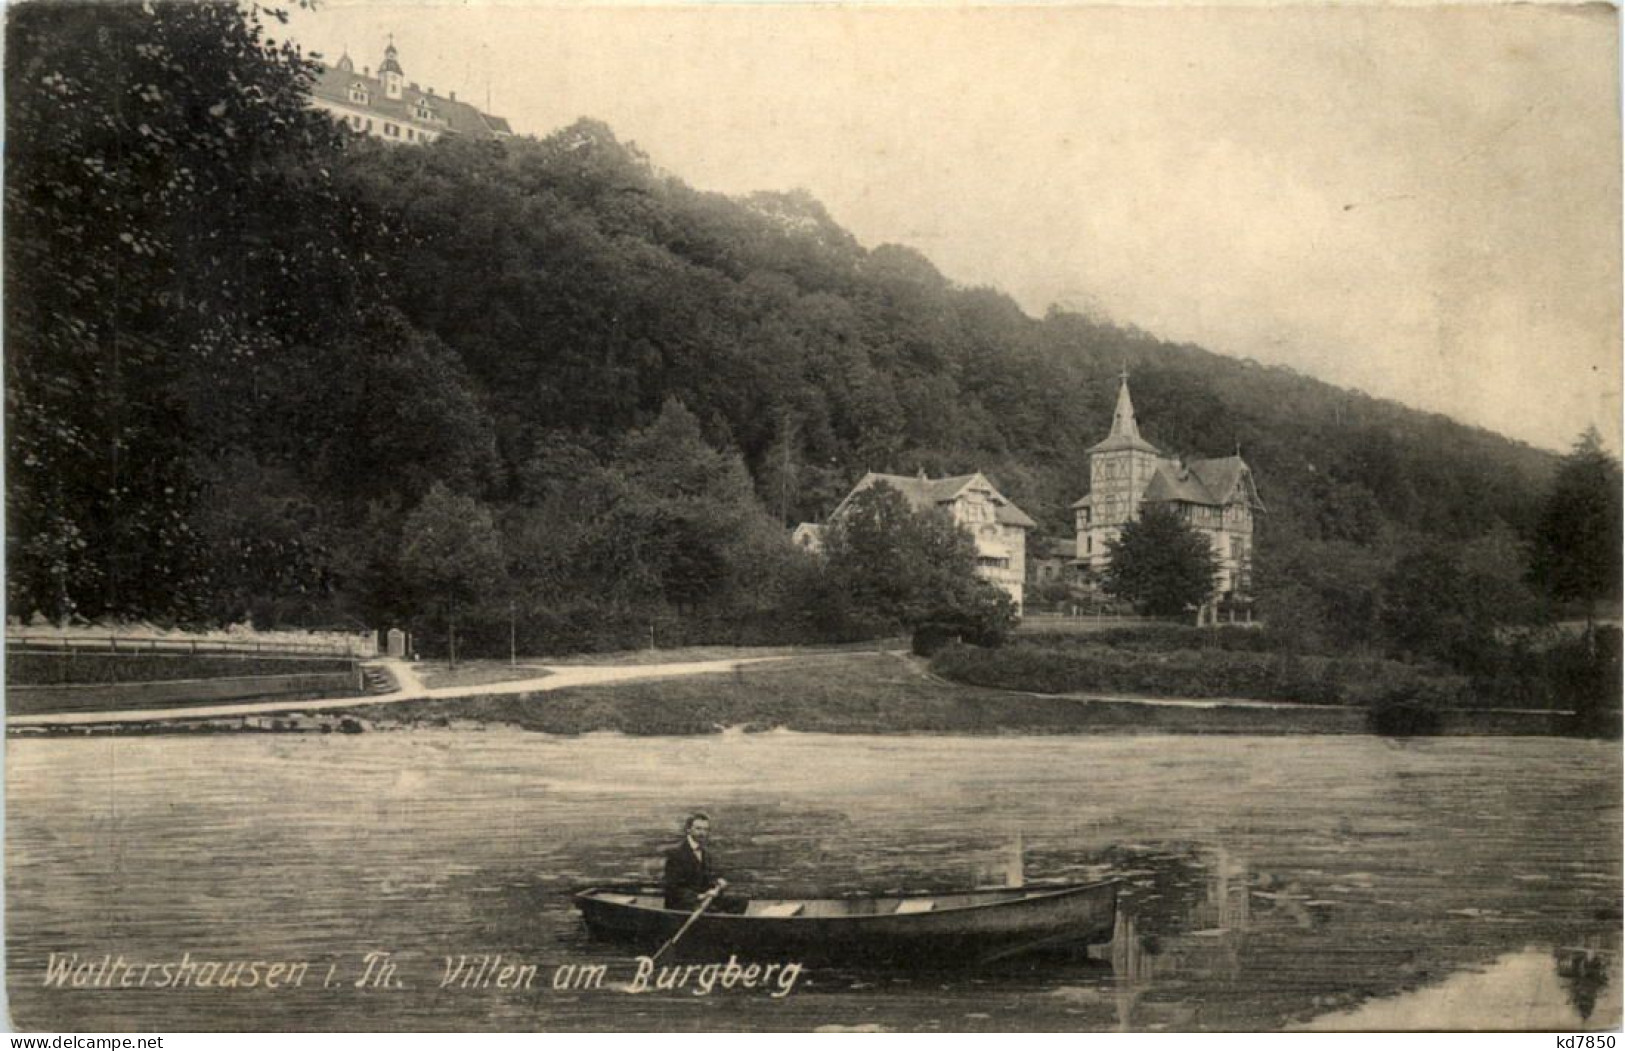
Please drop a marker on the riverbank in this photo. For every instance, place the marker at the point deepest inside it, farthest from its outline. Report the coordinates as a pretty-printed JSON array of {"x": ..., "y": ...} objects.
[{"x": 846, "y": 693}]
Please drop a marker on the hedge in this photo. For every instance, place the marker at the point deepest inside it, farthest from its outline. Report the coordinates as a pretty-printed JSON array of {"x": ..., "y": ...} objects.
[
  {"x": 1187, "y": 673},
  {"x": 1167, "y": 638},
  {"x": 35, "y": 668}
]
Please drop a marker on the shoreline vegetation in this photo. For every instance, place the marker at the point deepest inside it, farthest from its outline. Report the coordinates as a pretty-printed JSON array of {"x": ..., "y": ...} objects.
[{"x": 865, "y": 692}]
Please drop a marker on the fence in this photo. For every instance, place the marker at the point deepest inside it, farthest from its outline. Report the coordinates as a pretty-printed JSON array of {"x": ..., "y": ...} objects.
[{"x": 362, "y": 645}]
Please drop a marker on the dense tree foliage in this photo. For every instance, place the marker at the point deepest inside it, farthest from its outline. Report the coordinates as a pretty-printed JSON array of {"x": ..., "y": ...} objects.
[
  {"x": 243, "y": 347},
  {"x": 170, "y": 219},
  {"x": 451, "y": 555},
  {"x": 889, "y": 567},
  {"x": 1161, "y": 564},
  {"x": 1577, "y": 545}
]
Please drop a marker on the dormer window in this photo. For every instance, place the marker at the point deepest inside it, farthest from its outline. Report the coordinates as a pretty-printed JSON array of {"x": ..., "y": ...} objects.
[
  {"x": 422, "y": 111},
  {"x": 358, "y": 93}
]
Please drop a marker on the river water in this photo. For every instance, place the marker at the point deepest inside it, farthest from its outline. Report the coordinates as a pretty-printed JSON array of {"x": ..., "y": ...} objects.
[{"x": 1269, "y": 882}]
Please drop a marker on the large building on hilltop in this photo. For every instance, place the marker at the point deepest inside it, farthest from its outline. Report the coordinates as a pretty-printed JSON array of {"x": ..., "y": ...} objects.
[
  {"x": 1217, "y": 497},
  {"x": 998, "y": 527},
  {"x": 390, "y": 107}
]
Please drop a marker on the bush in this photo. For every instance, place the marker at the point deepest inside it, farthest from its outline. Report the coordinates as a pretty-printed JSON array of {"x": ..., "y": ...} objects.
[
  {"x": 1406, "y": 711},
  {"x": 585, "y": 626},
  {"x": 1052, "y": 668},
  {"x": 1562, "y": 673},
  {"x": 1168, "y": 637},
  {"x": 929, "y": 638}
]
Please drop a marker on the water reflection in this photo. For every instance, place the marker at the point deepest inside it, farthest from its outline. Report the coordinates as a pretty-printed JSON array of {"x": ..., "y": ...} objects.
[
  {"x": 1187, "y": 912},
  {"x": 1571, "y": 988},
  {"x": 1246, "y": 906},
  {"x": 1188, "y": 915},
  {"x": 1585, "y": 970}
]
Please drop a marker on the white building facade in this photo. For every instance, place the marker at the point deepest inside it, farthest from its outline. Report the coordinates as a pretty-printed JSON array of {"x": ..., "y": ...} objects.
[
  {"x": 390, "y": 107},
  {"x": 998, "y": 527},
  {"x": 1217, "y": 497}
]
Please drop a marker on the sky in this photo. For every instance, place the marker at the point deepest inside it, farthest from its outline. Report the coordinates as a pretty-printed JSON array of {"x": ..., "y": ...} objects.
[{"x": 1419, "y": 202}]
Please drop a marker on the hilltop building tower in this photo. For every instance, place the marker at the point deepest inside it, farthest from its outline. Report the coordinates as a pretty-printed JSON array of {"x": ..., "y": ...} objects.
[
  {"x": 390, "y": 107},
  {"x": 1126, "y": 473}
]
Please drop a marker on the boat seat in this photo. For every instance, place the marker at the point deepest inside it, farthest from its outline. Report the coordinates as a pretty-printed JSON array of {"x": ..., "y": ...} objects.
[
  {"x": 777, "y": 910},
  {"x": 617, "y": 899},
  {"x": 912, "y": 905}
]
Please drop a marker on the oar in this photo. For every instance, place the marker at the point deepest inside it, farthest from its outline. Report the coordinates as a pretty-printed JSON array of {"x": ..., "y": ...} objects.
[{"x": 705, "y": 903}]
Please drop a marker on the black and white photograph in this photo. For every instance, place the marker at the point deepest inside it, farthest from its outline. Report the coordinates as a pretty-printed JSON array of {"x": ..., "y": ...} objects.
[{"x": 773, "y": 517}]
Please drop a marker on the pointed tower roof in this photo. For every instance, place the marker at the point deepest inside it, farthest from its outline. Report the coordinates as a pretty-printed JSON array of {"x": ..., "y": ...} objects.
[
  {"x": 1125, "y": 431},
  {"x": 346, "y": 65},
  {"x": 390, "y": 64}
]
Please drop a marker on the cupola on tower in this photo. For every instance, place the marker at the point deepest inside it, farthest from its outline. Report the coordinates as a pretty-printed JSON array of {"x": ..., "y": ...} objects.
[{"x": 394, "y": 78}]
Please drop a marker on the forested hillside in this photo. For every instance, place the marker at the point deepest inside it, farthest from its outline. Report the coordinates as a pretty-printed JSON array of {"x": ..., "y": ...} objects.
[
  {"x": 243, "y": 347},
  {"x": 581, "y": 288}
]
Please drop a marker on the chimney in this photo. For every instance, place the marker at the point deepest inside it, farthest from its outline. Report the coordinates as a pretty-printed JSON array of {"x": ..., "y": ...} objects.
[
  {"x": 413, "y": 85},
  {"x": 430, "y": 90},
  {"x": 452, "y": 95},
  {"x": 366, "y": 71}
]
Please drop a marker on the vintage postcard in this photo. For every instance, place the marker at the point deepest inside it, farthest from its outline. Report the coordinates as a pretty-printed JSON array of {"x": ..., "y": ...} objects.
[{"x": 531, "y": 517}]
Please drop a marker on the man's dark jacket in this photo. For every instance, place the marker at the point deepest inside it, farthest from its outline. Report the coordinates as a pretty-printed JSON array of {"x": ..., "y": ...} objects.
[{"x": 687, "y": 876}]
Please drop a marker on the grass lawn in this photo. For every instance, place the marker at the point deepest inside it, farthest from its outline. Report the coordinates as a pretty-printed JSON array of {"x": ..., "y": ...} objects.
[
  {"x": 864, "y": 693},
  {"x": 683, "y": 654},
  {"x": 435, "y": 674}
]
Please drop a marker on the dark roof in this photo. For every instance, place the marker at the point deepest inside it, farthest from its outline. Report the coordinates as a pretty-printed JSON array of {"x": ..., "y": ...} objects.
[
  {"x": 1123, "y": 441},
  {"x": 1221, "y": 477},
  {"x": 460, "y": 118},
  {"x": 1010, "y": 514},
  {"x": 924, "y": 492},
  {"x": 1125, "y": 432},
  {"x": 1176, "y": 484},
  {"x": 1214, "y": 483}
]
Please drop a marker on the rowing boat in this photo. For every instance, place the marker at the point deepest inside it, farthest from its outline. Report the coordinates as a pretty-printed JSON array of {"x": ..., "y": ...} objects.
[{"x": 966, "y": 927}]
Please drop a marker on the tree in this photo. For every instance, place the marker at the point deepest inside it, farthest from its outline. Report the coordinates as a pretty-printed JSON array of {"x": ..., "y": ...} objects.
[
  {"x": 683, "y": 511},
  {"x": 1161, "y": 564},
  {"x": 452, "y": 554},
  {"x": 892, "y": 567},
  {"x": 1576, "y": 550},
  {"x": 168, "y": 214},
  {"x": 380, "y": 408},
  {"x": 1319, "y": 595},
  {"x": 1424, "y": 605}
]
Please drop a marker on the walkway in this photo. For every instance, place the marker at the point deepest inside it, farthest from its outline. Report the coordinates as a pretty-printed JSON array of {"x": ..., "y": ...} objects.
[{"x": 412, "y": 689}]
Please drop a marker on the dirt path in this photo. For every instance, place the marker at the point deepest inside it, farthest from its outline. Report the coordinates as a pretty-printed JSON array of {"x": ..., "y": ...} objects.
[{"x": 412, "y": 689}]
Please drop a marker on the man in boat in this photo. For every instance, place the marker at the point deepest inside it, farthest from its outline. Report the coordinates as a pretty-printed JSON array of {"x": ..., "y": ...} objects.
[{"x": 690, "y": 871}]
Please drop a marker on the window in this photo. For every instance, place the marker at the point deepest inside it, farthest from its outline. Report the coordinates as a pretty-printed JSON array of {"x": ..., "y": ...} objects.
[
  {"x": 358, "y": 93},
  {"x": 391, "y": 130}
]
